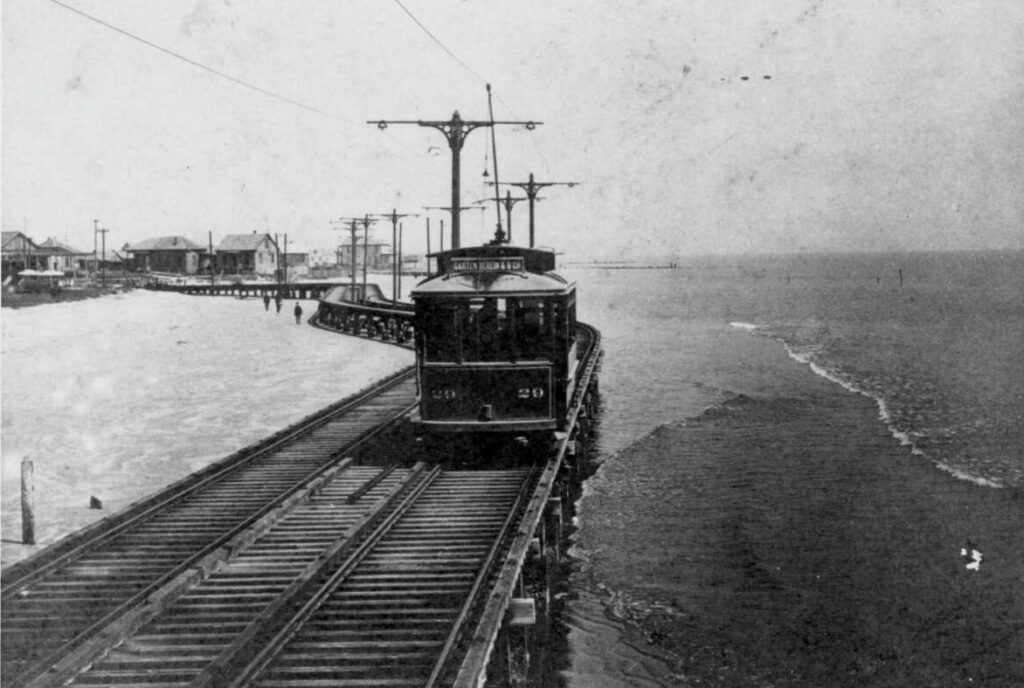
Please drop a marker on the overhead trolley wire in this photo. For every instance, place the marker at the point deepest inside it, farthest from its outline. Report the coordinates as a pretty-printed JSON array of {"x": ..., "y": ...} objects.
[
  {"x": 438, "y": 41},
  {"x": 466, "y": 67},
  {"x": 200, "y": 65}
]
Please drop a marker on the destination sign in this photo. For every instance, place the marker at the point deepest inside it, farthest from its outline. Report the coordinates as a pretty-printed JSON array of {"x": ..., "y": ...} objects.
[{"x": 506, "y": 264}]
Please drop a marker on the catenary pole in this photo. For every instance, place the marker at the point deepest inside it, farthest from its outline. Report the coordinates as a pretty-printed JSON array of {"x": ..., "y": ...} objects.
[
  {"x": 531, "y": 188},
  {"x": 455, "y": 131}
]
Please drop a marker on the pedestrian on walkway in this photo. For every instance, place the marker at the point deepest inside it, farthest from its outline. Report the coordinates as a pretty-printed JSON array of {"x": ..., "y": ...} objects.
[
  {"x": 298, "y": 313},
  {"x": 277, "y": 302},
  {"x": 266, "y": 302}
]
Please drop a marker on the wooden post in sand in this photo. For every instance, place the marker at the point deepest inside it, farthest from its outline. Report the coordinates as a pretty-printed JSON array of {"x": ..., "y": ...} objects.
[{"x": 28, "y": 507}]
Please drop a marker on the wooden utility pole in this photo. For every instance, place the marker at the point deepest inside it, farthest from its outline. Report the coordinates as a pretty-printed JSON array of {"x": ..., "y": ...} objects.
[
  {"x": 28, "y": 503},
  {"x": 531, "y": 188},
  {"x": 210, "y": 237},
  {"x": 353, "y": 223},
  {"x": 103, "y": 252},
  {"x": 394, "y": 216},
  {"x": 455, "y": 131},
  {"x": 398, "y": 288},
  {"x": 449, "y": 209},
  {"x": 95, "y": 248}
]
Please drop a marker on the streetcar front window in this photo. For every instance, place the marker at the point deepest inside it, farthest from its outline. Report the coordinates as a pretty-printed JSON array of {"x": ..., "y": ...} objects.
[
  {"x": 440, "y": 325},
  {"x": 485, "y": 329},
  {"x": 486, "y": 334}
]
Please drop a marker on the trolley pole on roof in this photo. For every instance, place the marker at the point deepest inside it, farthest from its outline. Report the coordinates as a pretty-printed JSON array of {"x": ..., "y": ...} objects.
[
  {"x": 455, "y": 131},
  {"x": 531, "y": 188},
  {"x": 508, "y": 202}
]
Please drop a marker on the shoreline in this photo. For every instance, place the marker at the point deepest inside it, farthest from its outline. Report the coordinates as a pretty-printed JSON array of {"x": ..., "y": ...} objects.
[{"x": 14, "y": 300}]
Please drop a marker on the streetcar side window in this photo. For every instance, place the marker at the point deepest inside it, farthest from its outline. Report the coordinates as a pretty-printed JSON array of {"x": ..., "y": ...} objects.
[
  {"x": 532, "y": 328},
  {"x": 440, "y": 327}
]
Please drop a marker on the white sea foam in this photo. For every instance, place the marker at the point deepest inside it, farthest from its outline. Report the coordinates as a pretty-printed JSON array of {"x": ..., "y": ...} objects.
[
  {"x": 805, "y": 355},
  {"x": 744, "y": 326}
]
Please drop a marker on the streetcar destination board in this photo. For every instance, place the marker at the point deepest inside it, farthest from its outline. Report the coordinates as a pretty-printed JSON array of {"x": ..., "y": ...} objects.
[{"x": 507, "y": 264}]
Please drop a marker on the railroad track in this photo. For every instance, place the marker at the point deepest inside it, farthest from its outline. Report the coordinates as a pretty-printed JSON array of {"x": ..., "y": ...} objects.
[
  {"x": 285, "y": 566},
  {"x": 57, "y": 605},
  {"x": 359, "y": 585}
]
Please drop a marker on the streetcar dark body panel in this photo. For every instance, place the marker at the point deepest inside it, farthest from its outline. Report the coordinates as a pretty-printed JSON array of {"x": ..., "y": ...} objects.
[{"x": 495, "y": 342}]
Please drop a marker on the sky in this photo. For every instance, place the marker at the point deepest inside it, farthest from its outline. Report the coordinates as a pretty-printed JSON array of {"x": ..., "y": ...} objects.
[{"x": 689, "y": 128}]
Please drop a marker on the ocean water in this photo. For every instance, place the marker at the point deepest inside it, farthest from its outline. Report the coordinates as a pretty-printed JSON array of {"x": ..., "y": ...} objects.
[
  {"x": 795, "y": 454},
  {"x": 792, "y": 454}
]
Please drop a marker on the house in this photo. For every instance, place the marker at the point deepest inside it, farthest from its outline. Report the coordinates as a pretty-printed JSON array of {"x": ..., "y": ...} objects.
[
  {"x": 247, "y": 254},
  {"x": 379, "y": 255},
  {"x": 174, "y": 254},
  {"x": 296, "y": 260},
  {"x": 18, "y": 252},
  {"x": 60, "y": 256}
]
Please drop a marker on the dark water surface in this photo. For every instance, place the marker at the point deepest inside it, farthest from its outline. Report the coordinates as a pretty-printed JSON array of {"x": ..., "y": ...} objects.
[{"x": 792, "y": 513}]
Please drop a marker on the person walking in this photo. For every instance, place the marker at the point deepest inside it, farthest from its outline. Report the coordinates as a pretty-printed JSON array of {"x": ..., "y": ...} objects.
[
  {"x": 266, "y": 302},
  {"x": 277, "y": 303},
  {"x": 298, "y": 313}
]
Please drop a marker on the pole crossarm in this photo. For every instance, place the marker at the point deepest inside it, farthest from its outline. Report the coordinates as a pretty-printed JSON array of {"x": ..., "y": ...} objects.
[
  {"x": 531, "y": 188},
  {"x": 455, "y": 131},
  {"x": 449, "y": 208}
]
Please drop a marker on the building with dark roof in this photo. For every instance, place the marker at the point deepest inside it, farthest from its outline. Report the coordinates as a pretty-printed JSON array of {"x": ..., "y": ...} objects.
[
  {"x": 174, "y": 254},
  {"x": 18, "y": 252},
  {"x": 247, "y": 254},
  {"x": 61, "y": 256}
]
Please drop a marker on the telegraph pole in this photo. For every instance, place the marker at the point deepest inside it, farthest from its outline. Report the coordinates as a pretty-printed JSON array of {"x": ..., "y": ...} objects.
[
  {"x": 366, "y": 248},
  {"x": 103, "y": 264},
  {"x": 455, "y": 131},
  {"x": 531, "y": 188},
  {"x": 366, "y": 251},
  {"x": 449, "y": 209},
  {"x": 352, "y": 226},
  {"x": 210, "y": 237},
  {"x": 95, "y": 256},
  {"x": 394, "y": 216}
]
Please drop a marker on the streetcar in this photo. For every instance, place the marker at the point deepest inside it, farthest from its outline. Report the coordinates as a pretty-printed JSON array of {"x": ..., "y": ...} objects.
[{"x": 495, "y": 336}]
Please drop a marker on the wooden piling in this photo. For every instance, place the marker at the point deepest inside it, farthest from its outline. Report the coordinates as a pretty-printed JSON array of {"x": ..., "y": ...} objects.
[{"x": 28, "y": 506}]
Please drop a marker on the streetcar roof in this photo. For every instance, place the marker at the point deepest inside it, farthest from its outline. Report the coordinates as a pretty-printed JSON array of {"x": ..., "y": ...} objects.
[
  {"x": 532, "y": 259},
  {"x": 493, "y": 284}
]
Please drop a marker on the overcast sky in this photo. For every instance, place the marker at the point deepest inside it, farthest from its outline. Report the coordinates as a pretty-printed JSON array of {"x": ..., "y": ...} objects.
[{"x": 693, "y": 127}]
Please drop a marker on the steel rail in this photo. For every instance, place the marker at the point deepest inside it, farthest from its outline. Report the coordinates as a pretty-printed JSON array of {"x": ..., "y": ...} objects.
[
  {"x": 242, "y": 660},
  {"x": 485, "y": 572},
  {"x": 474, "y": 665},
  {"x": 287, "y": 630},
  {"x": 18, "y": 575},
  {"x": 60, "y": 641}
]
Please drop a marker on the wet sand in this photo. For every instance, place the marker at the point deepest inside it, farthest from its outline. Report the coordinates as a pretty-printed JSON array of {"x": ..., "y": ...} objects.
[{"x": 790, "y": 541}]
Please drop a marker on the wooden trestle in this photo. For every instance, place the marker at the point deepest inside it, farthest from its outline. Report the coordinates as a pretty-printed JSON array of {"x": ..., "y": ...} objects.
[{"x": 302, "y": 560}]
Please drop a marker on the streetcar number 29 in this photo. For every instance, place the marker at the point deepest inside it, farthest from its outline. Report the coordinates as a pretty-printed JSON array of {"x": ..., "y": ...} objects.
[{"x": 530, "y": 393}]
